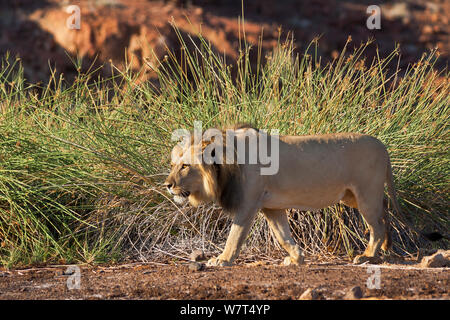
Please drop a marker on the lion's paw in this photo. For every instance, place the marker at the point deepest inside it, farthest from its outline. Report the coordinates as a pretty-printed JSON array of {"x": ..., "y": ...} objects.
[
  {"x": 218, "y": 262},
  {"x": 359, "y": 259},
  {"x": 293, "y": 261}
]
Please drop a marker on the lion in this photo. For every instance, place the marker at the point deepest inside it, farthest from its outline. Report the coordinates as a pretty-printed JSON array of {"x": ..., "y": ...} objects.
[{"x": 314, "y": 172}]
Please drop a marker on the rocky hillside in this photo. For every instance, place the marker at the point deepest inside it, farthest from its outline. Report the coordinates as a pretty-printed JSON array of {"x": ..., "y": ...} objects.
[{"x": 119, "y": 30}]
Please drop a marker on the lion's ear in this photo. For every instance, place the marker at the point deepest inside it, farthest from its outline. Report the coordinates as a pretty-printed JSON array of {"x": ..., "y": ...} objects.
[
  {"x": 218, "y": 155},
  {"x": 213, "y": 153},
  {"x": 214, "y": 145}
]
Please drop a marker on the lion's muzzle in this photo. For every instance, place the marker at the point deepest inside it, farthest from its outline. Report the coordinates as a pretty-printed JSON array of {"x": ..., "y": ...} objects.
[{"x": 180, "y": 196}]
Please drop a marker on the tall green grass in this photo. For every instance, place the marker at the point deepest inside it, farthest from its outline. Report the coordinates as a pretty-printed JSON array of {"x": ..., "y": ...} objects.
[{"x": 81, "y": 164}]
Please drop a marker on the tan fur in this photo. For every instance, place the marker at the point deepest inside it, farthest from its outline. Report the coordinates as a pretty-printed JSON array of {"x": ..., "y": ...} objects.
[{"x": 314, "y": 172}]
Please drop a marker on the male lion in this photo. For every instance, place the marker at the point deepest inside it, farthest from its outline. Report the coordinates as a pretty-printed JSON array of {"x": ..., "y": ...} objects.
[{"x": 314, "y": 172}]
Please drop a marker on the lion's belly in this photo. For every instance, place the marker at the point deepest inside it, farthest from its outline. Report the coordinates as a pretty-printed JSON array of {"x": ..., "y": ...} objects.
[{"x": 302, "y": 199}]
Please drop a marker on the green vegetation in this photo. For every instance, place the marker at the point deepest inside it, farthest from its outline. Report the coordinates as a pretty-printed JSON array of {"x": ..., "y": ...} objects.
[{"x": 81, "y": 164}]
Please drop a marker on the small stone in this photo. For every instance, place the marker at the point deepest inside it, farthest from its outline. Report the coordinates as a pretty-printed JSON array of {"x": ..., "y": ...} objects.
[
  {"x": 438, "y": 260},
  {"x": 197, "y": 255},
  {"x": 354, "y": 293},
  {"x": 309, "y": 294},
  {"x": 195, "y": 266},
  {"x": 68, "y": 272},
  {"x": 257, "y": 264}
]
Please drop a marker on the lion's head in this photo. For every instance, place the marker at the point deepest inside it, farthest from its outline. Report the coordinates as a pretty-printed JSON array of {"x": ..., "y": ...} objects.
[
  {"x": 188, "y": 181},
  {"x": 199, "y": 182}
]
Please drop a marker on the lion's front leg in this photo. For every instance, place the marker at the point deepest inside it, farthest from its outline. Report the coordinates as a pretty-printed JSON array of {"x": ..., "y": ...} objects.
[
  {"x": 278, "y": 222},
  {"x": 218, "y": 262},
  {"x": 238, "y": 233}
]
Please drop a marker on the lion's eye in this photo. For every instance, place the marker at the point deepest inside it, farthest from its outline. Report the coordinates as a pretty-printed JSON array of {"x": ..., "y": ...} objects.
[{"x": 184, "y": 166}]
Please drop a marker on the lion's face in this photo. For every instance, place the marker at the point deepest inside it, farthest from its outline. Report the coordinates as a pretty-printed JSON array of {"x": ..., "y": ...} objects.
[{"x": 188, "y": 181}]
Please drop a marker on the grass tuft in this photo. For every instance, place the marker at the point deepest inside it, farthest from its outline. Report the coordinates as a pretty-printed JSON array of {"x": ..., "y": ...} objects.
[{"x": 81, "y": 164}]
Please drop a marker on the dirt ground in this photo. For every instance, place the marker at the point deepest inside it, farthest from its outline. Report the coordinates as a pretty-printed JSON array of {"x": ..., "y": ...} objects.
[{"x": 330, "y": 280}]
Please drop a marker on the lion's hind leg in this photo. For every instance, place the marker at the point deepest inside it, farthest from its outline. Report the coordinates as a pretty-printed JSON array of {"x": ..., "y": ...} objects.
[
  {"x": 278, "y": 222},
  {"x": 370, "y": 204}
]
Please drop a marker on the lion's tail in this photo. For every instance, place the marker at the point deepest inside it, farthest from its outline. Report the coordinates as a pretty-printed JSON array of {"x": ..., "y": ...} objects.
[
  {"x": 387, "y": 243},
  {"x": 391, "y": 188}
]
